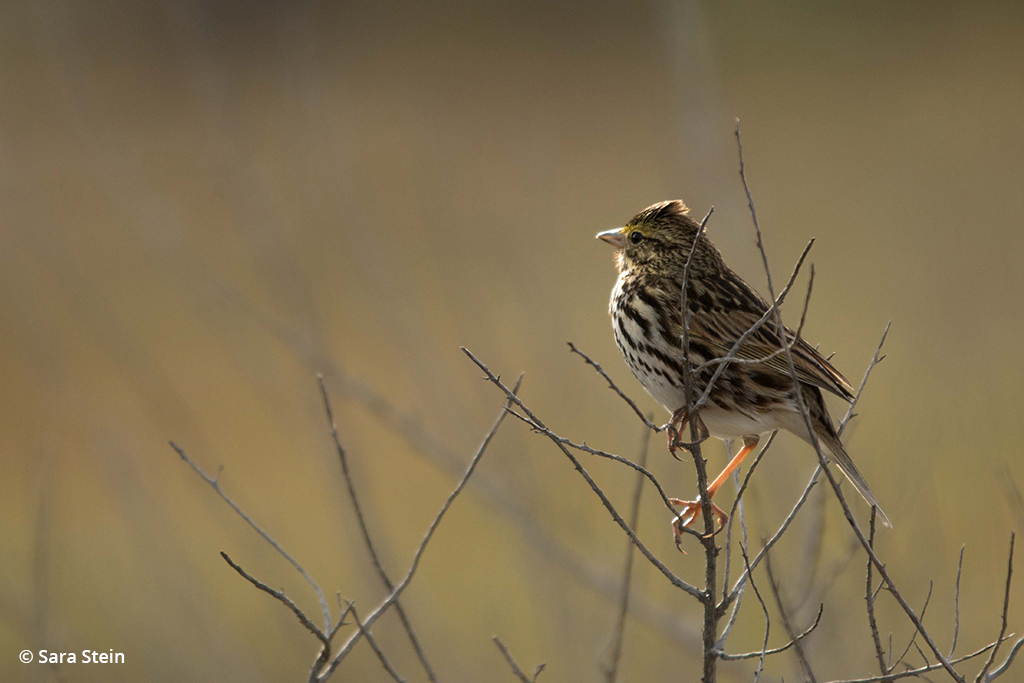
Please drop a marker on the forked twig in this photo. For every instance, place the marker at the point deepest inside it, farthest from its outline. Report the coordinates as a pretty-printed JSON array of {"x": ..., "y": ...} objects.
[
  {"x": 543, "y": 430},
  {"x": 404, "y": 583},
  {"x": 918, "y": 671},
  {"x": 214, "y": 483},
  {"x": 284, "y": 599},
  {"x": 869, "y": 599},
  {"x": 515, "y": 667},
  {"x": 364, "y": 529},
  {"x": 372, "y": 642},
  {"x": 767, "y": 619},
  {"x": 777, "y": 650},
  {"x": 675, "y": 580},
  {"x": 797, "y": 647}
]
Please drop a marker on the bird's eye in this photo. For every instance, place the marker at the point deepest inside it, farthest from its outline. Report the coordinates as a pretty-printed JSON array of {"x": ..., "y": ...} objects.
[{"x": 635, "y": 237}]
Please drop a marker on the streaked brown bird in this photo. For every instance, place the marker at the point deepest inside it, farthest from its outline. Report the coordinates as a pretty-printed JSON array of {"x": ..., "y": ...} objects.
[{"x": 749, "y": 398}]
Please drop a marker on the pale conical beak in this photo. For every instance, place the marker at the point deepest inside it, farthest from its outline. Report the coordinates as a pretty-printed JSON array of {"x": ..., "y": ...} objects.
[{"x": 612, "y": 237}]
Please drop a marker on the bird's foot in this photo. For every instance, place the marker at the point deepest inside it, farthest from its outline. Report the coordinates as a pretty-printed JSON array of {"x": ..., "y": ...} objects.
[
  {"x": 690, "y": 513},
  {"x": 675, "y": 427}
]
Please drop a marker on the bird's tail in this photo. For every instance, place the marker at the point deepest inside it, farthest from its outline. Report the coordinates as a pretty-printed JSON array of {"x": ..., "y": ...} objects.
[{"x": 842, "y": 458}]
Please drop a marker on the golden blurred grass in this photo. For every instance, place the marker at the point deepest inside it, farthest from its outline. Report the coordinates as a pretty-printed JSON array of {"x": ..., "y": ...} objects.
[{"x": 206, "y": 204}]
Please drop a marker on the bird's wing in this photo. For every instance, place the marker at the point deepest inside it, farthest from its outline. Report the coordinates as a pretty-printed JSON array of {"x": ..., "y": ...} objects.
[{"x": 746, "y": 308}]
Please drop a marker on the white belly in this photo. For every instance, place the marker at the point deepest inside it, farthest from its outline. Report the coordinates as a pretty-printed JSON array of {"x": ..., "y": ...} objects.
[{"x": 734, "y": 425}]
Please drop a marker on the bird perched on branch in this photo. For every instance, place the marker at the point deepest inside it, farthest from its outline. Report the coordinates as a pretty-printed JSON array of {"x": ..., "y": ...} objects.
[{"x": 751, "y": 396}]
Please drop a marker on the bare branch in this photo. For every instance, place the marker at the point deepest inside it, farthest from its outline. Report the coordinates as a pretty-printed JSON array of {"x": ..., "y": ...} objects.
[
  {"x": 771, "y": 542},
  {"x": 1006, "y": 664},
  {"x": 214, "y": 483},
  {"x": 767, "y": 619},
  {"x": 823, "y": 461},
  {"x": 1006, "y": 607},
  {"x": 284, "y": 599},
  {"x": 869, "y": 599},
  {"x": 800, "y": 654},
  {"x": 390, "y": 600},
  {"x": 738, "y": 588},
  {"x": 777, "y": 650},
  {"x": 738, "y": 501},
  {"x": 611, "y": 384},
  {"x": 675, "y": 580},
  {"x": 360, "y": 518},
  {"x": 515, "y": 667},
  {"x": 615, "y": 646},
  {"x": 913, "y": 638},
  {"x": 956, "y": 602},
  {"x": 494, "y": 493},
  {"x": 543, "y": 430},
  {"x": 918, "y": 671},
  {"x": 372, "y": 642},
  {"x": 737, "y": 504},
  {"x": 707, "y": 540},
  {"x": 875, "y": 360}
]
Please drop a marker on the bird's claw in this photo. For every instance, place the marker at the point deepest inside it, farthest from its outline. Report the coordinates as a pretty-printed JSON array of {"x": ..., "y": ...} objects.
[{"x": 691, "y": 511}]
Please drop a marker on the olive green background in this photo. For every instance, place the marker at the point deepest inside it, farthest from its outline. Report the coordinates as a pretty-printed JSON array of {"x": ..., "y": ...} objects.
[{"x": 204, "y": 204}]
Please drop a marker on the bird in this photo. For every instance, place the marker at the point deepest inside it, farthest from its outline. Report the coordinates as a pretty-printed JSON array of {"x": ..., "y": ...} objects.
[{"x": 750, "y": 397}]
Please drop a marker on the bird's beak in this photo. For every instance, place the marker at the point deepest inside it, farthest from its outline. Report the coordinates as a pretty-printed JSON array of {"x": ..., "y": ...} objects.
[{"x": 612, "y": 237}]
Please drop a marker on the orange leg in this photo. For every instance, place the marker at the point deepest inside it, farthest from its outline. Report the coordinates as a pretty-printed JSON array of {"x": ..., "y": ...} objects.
[{"x": 691, "y": 510}]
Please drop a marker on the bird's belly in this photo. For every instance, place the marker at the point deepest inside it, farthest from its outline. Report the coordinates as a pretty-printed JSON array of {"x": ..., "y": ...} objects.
[{"x": 732, "y": 424}]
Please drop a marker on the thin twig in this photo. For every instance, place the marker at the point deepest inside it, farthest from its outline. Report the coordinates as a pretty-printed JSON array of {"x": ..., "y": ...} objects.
[
  {"x": 214, "y": 483},
  {"x": 956, "y": 602},
  {"x": 774, "y": 354},
  {"x": 364, "y": 529},
  {"x": 875, "y": 360},
  {"x": 493, "y": 492},
  {"x": 1006, "y": 664},
  {"x": 777, "y": 650},
  {"x": 711, "y": 615},
  {"x": 728, "y": 358},
  {"x": 918, "y": 671},
  {"x": 675, "y": 580},
  {"x": 284, "y": 599},
  {"x": 798, "y": 396},
  {"x": 767, "y": 619},
  {"x": 543, "y": 430},
  {"x": 772, "y": 541},
  {"x": 913, "y": 638},
  {"x": 618, "y": 635},
  {"x": 800, "y": 654},
  {"x": 614, "y": 387},
  {"x": 738, "y": 501},
  {"x": 869, "y": 599},
  {"x": 372, "y": 642},
  {"x": 390, "y": 600},
  {"x": 738, "y": 505},
  {"x": 515, "y": 667},
  {"x": 1006, "y": 608}
]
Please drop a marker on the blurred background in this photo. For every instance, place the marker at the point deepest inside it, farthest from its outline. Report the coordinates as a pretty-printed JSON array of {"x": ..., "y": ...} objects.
[{"x": 207, "y": 203}]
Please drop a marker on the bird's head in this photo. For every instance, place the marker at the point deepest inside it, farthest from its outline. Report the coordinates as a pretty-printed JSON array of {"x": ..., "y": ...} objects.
[{"x": 657, "y": 238}]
